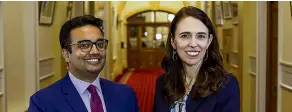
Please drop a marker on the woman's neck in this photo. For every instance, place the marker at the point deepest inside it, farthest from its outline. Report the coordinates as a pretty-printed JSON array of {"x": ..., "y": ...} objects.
[{"x": 191, "y": 73}]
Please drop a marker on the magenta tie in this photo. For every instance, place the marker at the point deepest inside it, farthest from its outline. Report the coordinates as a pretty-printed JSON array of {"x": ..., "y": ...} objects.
[{"x": 95, "y": 101}]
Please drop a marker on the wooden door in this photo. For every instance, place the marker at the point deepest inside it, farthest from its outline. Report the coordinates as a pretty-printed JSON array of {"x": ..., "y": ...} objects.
[
  {"x": 133, "y": 46},
  {"x": 153, "y": 45},
  {"x": 272, "y": 57},
  {"x": 146, "y": 45},
  {"x": 147, "y": 48}
]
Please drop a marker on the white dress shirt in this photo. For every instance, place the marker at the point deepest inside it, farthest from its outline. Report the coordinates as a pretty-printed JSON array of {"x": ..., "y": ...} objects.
[{"x": 82, "y": 86}]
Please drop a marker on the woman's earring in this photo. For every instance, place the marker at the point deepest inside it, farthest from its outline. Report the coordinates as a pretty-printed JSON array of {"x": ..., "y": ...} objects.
[
  {"x": 174, "y": 56},
  {"x": 207, "y": 55}
]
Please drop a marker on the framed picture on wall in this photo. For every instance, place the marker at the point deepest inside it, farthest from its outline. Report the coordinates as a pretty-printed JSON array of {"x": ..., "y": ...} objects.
[
  {"x": 227, "y": 10},
  {"x": 234, "y": 6},
  {"x": 46, "y": 12},
  {"x": 219, "y": 13}
]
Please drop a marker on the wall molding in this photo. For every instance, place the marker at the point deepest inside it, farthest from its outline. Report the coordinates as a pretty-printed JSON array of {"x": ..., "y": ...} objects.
[
  {"x": 234, "y": 51},
  {"x": 234, "y": 59},
  {"x": 46, "y": 58},
  {"x": 253, "y": 65},
  {"x": 47, "y": 76},
  {"x": 286, "y": 72},
  {"x": 287, "y": 64},
  {"x": 252, "y": 57},
  {"x": 46, "y": 66},
  {"x": 252, "y": 73},
  {"x": 234, "y": 66},
  {"x": 289, "y": 88}
]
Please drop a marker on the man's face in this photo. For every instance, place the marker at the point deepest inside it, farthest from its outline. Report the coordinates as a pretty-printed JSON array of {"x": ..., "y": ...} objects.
[{"x": 83, "y": 61}]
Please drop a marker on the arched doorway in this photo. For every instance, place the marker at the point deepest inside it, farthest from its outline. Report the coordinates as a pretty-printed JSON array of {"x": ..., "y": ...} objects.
[{"x": 146, "y": 35}]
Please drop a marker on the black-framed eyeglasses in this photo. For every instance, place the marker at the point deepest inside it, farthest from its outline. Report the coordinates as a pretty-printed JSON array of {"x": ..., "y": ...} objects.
[{"x": 86, "y": 45}]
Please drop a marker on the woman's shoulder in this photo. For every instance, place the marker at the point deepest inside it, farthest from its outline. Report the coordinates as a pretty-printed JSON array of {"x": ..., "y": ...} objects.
[
  {"x": 231, "y": 80},
  {"x": 230, "y": 85},
  {"x": 160, "y": 79},
  {"x": 228, "y": 97}
]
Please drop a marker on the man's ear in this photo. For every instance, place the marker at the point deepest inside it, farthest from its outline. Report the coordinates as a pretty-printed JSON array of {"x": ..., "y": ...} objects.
[
  {"x": 65, "y": 54},
  {"x": 210, "y": 40}
]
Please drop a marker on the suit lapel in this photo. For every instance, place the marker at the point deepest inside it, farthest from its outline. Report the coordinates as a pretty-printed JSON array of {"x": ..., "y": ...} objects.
[
  {"x": 108, "y": 96},
  {"x": 72, "y": 96},
  {"x": 192, "y": 105}
]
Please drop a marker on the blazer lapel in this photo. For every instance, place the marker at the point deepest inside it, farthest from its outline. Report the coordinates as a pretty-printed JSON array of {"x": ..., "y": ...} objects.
[
  {"x": 107, "y": 95},
  {"x": 72, "y": 96},
  {"x": 192, "y": 105}
]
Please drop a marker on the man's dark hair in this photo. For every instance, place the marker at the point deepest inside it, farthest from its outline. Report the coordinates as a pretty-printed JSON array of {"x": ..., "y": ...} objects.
[{"x": 64, "y": 36}]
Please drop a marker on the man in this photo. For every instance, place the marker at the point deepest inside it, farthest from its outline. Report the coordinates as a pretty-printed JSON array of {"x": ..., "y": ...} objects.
[{"x": 82, "y": 90}]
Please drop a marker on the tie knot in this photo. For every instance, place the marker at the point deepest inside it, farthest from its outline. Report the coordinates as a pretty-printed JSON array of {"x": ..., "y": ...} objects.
[{"x": 91, "y": 89}]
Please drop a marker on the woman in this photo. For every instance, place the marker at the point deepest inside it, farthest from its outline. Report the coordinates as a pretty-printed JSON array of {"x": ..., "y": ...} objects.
[{"x": 195, "y": 80}]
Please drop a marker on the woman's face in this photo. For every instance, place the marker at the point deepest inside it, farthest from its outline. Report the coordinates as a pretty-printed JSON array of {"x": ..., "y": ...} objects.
[{"x": 191, "y": 40}]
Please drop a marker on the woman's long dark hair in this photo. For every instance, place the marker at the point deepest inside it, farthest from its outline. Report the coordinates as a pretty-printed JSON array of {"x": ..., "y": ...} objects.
[{"x": 211, "y": 73}]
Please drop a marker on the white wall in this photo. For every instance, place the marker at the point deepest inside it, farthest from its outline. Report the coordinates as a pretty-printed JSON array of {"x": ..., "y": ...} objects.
[{"x": 19, "y": 31}]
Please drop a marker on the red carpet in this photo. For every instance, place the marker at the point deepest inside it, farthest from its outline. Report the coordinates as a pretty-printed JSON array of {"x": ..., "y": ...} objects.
[
  {"x": 119, "y": 77},
  {"x": 143, "y": 82}
]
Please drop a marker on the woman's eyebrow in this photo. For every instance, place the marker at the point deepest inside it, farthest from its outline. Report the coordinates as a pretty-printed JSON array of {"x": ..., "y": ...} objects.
[
  {"x": 202, "y": 33},
  {"x": 186, "y": 32}
]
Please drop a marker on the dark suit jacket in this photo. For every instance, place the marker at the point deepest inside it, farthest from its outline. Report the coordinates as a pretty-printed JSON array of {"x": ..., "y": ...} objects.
[
  {"x": 227, "y": 99},
  {"x": 62, "y": 96}
]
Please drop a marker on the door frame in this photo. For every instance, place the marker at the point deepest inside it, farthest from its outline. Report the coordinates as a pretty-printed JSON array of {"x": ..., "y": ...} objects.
[
  {"x": 280, "y": 61},
  {"x": 106, "y": 23},
  {"x": 2, "y": 70},
  {"x": 269, "y": 80},
  {"x": 31, "y": 48},
  {"x": 261, "y": 41}
]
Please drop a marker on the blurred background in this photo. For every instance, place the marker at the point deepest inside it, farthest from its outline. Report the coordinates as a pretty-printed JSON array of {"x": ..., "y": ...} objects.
[{"x": 254, "y": 37}]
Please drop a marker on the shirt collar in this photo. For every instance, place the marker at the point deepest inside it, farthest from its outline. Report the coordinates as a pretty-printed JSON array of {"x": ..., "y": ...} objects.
[{"x": 82, "y": 86}]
